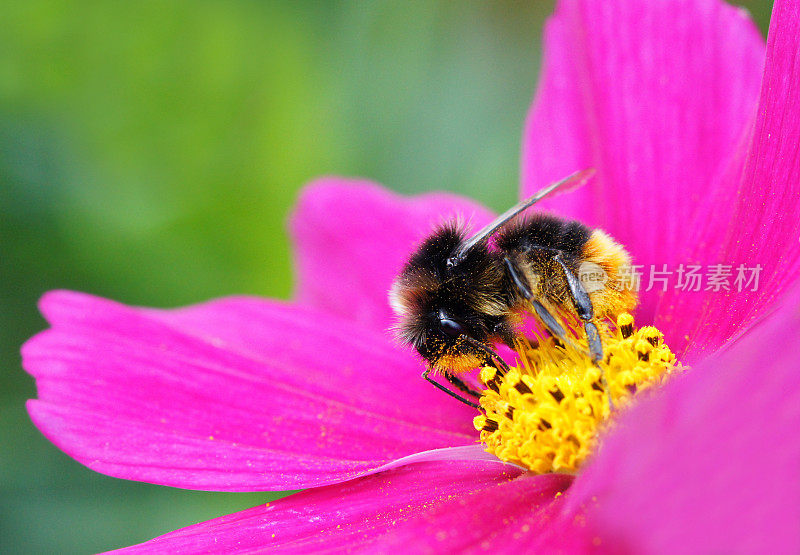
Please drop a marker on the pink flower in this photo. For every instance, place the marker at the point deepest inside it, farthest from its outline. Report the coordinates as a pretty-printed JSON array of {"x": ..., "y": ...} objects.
[{"x": 696, "y": 139}]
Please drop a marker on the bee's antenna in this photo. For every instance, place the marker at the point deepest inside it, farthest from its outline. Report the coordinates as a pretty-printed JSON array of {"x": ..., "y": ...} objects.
[
  {"x": 570, "y": 183},
  {"x": 460, "y": 385}
]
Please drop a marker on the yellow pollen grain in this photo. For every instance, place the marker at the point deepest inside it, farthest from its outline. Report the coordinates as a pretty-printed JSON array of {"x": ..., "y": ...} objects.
[{"x": 545, "y": 414}]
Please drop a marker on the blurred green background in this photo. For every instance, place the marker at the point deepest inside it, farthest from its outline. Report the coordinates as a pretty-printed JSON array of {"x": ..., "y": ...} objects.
[{"x": 151, "y": 151}]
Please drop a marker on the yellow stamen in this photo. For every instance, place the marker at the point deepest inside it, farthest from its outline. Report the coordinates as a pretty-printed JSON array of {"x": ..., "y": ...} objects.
[{"x": 546, "y": 414}]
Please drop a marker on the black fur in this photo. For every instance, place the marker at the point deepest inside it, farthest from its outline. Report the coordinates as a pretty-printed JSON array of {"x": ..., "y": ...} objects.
[
  {"x": 475, "y": 294},
  {"x": 462, "y": 292},
  {"x": 544, "y": 231}
]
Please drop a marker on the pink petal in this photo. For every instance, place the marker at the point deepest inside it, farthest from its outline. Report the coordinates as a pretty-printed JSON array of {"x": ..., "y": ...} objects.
[
  {"x": 236, "y": 394},
  {"x": 709, "y": 464},
  {"x": 654, "y": 95},
  {"x": 523, "y": 515},
  {"x": 353, "y": 237},
  {"x": 474, "y": 452},
  {"x": 753, "y": 218},
  {"x": 345, "y": 516}
]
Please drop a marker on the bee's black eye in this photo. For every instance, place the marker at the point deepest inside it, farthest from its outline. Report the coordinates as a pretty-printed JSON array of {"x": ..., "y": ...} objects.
[{"x": 450, "y": 327}]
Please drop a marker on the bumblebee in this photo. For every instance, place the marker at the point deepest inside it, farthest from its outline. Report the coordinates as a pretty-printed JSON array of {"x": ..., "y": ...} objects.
[{"x": 459, "y": 295}]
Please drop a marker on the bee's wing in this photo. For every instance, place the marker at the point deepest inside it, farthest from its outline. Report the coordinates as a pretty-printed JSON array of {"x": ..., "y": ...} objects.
[{"x": 570, "y": 183}]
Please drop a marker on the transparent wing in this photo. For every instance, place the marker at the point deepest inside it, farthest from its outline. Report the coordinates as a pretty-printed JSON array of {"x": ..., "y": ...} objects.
[{"x": 570, "y": 183}]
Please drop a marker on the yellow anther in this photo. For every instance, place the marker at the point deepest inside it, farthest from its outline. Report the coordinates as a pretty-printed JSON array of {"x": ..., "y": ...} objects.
[
  {"x": 625, "y": 324},
  {"x": 546, "y": 414},
  {"x": 643, "y": 348},
  {"x": 653, "y": 335},
  {"x": 487, "y": 374}
]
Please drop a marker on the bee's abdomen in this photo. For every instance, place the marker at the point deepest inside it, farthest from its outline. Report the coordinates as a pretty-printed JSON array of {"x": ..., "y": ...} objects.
[
  {"x": 543, "y": 232},
  {"x": 533, "y": 242},
  {"x": 619, "y": 292}
]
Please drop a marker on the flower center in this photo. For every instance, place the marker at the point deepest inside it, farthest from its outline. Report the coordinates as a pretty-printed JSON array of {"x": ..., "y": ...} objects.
[{"x": 546, "y": 413}]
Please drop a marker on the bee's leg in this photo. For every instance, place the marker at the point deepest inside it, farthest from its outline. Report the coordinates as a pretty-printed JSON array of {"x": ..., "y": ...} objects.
[
  {"x": 585, "y": 310},
  {"x": 453, "y": 394},
  {"x": 550, "y": 321},
  {"x": 460, "y": 384},
  {"x": 583, "y": 306}
]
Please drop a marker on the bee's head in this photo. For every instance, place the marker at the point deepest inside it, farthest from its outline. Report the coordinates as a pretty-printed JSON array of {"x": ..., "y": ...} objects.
[{"x": 442, "y": 304}]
